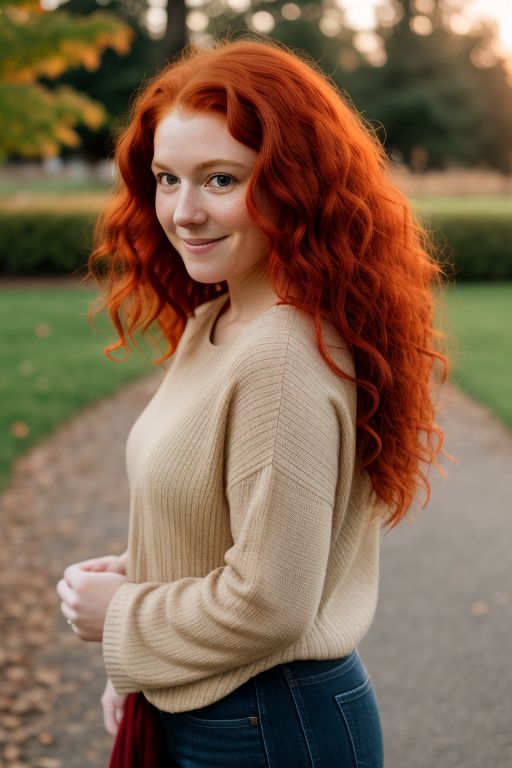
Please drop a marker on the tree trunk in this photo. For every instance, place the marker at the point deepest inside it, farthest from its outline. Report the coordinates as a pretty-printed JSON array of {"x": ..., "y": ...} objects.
[{"x": 175, "y": 37}]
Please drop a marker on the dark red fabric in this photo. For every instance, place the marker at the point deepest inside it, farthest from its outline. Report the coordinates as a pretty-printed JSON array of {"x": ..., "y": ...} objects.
[{"x": 138, "y": 741}]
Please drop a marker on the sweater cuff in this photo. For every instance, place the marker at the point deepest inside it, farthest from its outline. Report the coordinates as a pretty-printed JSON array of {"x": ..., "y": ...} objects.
[{"x": 113, "y": 633}]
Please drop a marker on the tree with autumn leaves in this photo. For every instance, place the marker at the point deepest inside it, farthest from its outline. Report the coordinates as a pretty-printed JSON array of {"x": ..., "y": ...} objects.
[{"x": 35, "y": 45}]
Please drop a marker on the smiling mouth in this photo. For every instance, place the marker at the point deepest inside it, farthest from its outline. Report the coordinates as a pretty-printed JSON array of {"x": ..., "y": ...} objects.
[{"x": 202, "y": 241}]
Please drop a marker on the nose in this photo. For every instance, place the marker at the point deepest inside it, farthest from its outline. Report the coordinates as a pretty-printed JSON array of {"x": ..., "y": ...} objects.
[{"x": 189, "y": 208}]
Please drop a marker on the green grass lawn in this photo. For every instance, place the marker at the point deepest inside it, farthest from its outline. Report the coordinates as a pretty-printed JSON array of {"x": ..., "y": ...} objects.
[
  {"x": 52, "y": 363},
  {"x": 480, "y": 319}
]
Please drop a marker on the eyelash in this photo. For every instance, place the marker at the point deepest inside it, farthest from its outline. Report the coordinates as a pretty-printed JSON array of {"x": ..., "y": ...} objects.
[{"x": 160, "y": 175}]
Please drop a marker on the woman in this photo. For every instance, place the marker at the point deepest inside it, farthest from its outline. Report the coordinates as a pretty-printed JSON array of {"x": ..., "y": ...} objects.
[{"x": 256, "y": 223}]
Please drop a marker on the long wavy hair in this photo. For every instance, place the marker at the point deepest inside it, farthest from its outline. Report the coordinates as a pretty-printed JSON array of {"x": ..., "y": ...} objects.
[{"x": 345, "y": 243}]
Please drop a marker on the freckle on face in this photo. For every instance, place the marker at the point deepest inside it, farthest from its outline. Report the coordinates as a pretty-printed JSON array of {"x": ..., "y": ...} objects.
[{"x": 194, "y": 209}]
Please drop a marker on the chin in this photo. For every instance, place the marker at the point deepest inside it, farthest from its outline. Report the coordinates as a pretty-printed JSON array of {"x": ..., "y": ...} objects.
[{"x": 204, "y": 275}]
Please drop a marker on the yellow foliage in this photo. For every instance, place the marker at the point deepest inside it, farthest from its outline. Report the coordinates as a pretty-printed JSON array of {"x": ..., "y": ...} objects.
[
  {"x": 53, "y": 67},
  {"x": 86, "y": 53},
  {"x": 46, "y": 44},
  {"x": 93, "y": 115},
  {"x": 16, "y": 75},
  {"x": 31, "y": 6},
  {"x": 89, "y": 58},
  {"x": 121, "y": 40},
  {"x": 66, "y": 135},
  {"x": 17, "y": 14}
]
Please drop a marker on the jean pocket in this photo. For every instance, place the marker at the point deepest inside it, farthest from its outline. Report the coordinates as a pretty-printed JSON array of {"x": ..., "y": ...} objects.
[
  {"x": 239, "y": 709},
  {"x": 361, "y": 718}
]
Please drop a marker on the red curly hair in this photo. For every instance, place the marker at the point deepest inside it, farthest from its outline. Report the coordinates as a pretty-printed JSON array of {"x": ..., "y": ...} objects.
[{"x": 345, "y": 242}]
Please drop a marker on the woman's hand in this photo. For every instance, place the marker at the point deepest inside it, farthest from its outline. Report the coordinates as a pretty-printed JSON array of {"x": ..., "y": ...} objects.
[
  {"x": 111, "y": 563},
  {"x": 113, "y": 707},
  {"x": 85, "y": 598}
]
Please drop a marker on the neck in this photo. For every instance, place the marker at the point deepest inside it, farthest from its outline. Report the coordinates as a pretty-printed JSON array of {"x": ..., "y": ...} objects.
[{"x": 248, "y": 300}]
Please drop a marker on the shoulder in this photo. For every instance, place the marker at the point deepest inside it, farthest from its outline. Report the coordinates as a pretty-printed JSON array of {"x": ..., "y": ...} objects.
[
  {"x": 288, "y": 407},
  {"x": 285, "y": 340}
]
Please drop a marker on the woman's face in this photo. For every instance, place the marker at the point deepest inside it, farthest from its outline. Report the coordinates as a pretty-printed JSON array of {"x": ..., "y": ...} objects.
[{"x": 202, "y": 175}]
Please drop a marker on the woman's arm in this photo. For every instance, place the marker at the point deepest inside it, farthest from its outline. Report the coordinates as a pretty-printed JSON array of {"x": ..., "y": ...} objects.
[
  {"x": 282, "y": 476},
  {"x": 262, "y": 600}
]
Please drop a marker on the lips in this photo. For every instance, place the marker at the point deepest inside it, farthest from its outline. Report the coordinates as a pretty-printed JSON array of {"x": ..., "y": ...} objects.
[{"x": 202, "y": 241}]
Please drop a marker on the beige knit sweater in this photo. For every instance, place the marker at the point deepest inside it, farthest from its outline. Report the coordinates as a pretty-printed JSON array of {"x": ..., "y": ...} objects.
[{"x": 250, "y": 541}]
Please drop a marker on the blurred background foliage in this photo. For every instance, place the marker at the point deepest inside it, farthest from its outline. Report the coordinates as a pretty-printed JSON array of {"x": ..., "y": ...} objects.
[
  {"x": 434, "y": 96},
  {"x": 36, "y": 120},
  {"x": 441, "y": 97}
]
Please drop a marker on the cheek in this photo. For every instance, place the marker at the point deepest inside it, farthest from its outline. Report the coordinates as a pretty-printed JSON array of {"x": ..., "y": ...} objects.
[
  {"x": 235, "y": 217},
  {"x": 163, "y": 211},
  {"x": 231, "y": 213}
]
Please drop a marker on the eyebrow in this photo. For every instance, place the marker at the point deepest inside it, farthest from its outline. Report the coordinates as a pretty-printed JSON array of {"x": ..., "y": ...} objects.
[{"x": 207, "y": 164}]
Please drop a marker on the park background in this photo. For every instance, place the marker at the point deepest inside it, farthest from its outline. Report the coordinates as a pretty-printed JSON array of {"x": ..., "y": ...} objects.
[{"x": 434, "y": 81}]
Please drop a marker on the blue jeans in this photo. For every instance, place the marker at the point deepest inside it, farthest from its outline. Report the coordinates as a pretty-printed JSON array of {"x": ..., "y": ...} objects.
[{"x": 302, "y": 714}]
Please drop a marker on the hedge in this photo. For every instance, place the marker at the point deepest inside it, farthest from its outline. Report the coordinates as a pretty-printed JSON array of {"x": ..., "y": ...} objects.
[
  {"x": 476, "y": 247},
  {"x": 44, "y": 242}
]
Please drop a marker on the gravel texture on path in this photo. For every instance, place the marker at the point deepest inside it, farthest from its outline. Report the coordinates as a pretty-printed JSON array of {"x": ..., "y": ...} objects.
[
  {"x": 438, "y": 651},
  {"x": 67, "y": 501}
]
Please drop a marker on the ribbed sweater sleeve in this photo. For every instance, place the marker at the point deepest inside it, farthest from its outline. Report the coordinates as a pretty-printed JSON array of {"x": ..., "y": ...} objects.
[{"x": 286, "y": 433}]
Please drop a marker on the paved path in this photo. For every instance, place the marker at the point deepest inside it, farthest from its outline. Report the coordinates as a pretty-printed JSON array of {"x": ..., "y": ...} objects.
[{"x": 438, "y": 651}]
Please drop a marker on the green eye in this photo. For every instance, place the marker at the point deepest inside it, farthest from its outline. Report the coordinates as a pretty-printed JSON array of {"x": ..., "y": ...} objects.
[
  {"x": 218, "y": 180},
  {"x": 223, "y": 180},
  {"x": 171, "y": 179}
]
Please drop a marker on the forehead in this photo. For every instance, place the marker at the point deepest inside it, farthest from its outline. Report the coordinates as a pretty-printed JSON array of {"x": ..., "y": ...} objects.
[{"x": 195, "y": 137}]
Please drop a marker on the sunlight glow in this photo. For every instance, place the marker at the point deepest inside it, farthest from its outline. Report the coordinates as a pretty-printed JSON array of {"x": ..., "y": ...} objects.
[
  {"x": 362, "y": 14},
  {"x": 421, "y": 25},
  {"x": 290, "y": 11},
  {"x": 262, "y": 21},
  {"x": 497, "y": 10},
  {"x": 239, "y": 5},
  {"x": 424, "y": 6},
  {"x": 156, "y": 21},
  {"x": 197, "y": 21},
  {"x": 367, "y": 42},
  {"x": 330, "y": 24},
  {"x": 460, "y": 24}
]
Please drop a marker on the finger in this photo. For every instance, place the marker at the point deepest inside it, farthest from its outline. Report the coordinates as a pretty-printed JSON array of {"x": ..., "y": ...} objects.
[
  {"x": 95, "y": 565},
  {"x": 116, "y": 566},
  {"x": 70, "y": 615},
  {"x": 119, "y": 713},
  {"x": 109, "y": 717},
  {"x": 72, "y": 575},
  {"x": 67, "y": 594}
]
